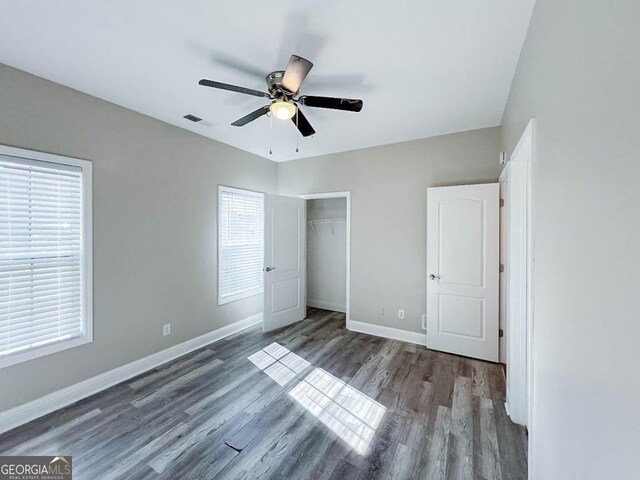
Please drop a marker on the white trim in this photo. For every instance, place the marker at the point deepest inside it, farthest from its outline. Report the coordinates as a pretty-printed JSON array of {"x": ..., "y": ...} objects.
[
  {"x": 237, "y": 296},
  {"x": 327, "y": 306},
  {"x": 504, "y": 261},
  {"x": 519, "y": 286},
  {"x": 49, "y": 403},
  {"x": 347, "y": 195},
  {"x": 43, "y": 156},
  {"x": 387, "y": 332},
  {"x": 222, "y": 300},
  {"x": 43, "y": 351},
  {"x": 507, "y": 409},
  {"x": 531, "y": 130},
  {"x": 86, "y": 167}
]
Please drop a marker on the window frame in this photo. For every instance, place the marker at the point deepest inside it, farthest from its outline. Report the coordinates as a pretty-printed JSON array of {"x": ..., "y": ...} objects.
[
  {"x": 86, "y": 268},
  {"x": 248, "y": 293}
]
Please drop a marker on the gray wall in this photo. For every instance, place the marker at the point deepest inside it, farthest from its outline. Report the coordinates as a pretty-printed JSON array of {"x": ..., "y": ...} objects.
[
  {"x": 388, "y": 188},
  {"x": 154, "y": 206},
  {"x": 579, "y": 75},
  {"x": 327, "y": 254}
]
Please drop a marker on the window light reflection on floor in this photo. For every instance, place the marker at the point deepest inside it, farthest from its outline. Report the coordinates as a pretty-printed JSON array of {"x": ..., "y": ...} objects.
[
  {"x": 351, "y": 415},
  {"x": 279, "y": 363},
  {"x": 348, "y": 413}
]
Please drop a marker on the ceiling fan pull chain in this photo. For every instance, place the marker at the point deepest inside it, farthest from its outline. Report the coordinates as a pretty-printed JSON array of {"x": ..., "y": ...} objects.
[
  {"x": 297, "y": 131},
  {"x": 270, "y": 134}
]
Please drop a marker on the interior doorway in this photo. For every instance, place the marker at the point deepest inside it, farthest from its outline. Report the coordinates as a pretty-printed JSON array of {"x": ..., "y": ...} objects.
[{"x": 328, "y": 252}]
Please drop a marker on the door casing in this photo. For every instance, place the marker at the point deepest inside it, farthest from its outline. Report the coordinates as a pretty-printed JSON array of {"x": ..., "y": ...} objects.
[
  {"x": 519, "y": 268},
  {"x": 347, "y": 196}
]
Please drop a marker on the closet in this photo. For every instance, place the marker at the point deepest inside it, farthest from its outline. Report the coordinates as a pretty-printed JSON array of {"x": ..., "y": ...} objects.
[{"x": 327, "y": 253}]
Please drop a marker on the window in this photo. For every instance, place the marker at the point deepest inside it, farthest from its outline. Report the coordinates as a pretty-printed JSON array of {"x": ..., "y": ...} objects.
[
  {"x": 240, "y": 244},
  {"x": 45, "y": 254}
]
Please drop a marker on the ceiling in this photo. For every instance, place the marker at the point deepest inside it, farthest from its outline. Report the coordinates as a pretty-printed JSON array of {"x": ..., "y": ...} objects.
[{"x": 422, "y": 67}]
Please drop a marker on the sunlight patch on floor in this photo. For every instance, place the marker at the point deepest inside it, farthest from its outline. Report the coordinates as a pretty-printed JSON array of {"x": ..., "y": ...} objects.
[
  {"x": 279, "y": 363},
  {"x": 348, "y": 413},
  {"x": 351, "y": 415}
]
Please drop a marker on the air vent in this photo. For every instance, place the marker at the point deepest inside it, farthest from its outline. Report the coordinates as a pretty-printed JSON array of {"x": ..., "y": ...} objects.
[{"x": 192, "y": 118}]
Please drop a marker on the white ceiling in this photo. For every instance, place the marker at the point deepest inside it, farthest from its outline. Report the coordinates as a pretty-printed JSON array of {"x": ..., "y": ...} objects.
[{"x": 422, "y": 67}]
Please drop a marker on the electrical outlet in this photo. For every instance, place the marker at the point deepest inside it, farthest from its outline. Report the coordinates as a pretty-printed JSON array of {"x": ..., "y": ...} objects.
[
  {"x": 166, "y": 330},
  {"x": 424, "y": 321},
  {"x": 400, "y": 313}
]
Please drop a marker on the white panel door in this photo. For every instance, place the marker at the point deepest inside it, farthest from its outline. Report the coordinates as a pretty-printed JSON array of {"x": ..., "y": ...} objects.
[
  {"x": 462, "y": 270},
  {"x": 285, "y": 230}
]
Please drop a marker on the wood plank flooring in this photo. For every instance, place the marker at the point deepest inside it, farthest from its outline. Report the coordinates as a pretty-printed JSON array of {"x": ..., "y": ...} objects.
[{"x": 311, "y": 401}]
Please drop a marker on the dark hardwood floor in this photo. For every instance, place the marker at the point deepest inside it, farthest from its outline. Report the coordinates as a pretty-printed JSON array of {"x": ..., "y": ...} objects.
[{"x": 310, "y": 401}]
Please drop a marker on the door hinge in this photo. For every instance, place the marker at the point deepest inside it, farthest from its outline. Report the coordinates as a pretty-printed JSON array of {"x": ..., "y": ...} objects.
[
  {"x": 501, "y": 333},
  {"x": 502, "y": 202},
  {"x": 501, "y": 268}
]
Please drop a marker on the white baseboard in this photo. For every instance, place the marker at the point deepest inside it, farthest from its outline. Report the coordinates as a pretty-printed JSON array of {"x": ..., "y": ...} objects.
[
  {"x": 335, "y": 307},
  {"x": 387, "y": 332},
  {"x": 49, "y": 403}
]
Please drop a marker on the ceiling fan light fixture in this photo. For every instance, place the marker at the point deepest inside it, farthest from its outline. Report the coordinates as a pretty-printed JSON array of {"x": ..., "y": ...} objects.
[{"x": 283, "y": 110}]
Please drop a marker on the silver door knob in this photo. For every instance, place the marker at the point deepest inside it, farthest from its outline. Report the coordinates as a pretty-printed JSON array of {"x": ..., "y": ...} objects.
[
  {"x": 433, "y": 277},
  {"x": 268, "y": 269}
]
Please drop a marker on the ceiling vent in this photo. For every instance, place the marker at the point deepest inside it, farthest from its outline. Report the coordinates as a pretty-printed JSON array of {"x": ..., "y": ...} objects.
[{"x": 199, "y": 121}]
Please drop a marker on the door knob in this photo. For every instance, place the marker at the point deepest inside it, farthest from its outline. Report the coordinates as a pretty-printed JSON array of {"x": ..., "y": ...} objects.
[
  {"x": 433, "y": 277},
  {"x": 268, "y": 269}
]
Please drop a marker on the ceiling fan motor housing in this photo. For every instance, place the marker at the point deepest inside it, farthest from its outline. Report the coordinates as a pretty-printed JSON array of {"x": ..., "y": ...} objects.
[{"x": 274, "y": 83}]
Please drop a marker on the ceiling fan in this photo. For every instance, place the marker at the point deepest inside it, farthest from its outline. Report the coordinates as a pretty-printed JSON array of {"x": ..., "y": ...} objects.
[{"x": 283, "y": 87}]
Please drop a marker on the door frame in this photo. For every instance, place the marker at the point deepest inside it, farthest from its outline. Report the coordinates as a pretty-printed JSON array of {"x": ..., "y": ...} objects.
[
  {"x": 520, "y": 314},
  {"x": 504, "y": 264},
  {"x": 347, "y": 195}
]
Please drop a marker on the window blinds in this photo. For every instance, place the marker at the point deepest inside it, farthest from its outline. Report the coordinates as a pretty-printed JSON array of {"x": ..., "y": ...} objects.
[
  {"x": 41, "y": 254},
  {"x": 240, "y": 243}
]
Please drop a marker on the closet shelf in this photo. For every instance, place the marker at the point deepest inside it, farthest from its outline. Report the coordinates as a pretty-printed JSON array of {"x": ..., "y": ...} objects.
[
  {"x": 328, "y": 220},
  {"x": 312, "y": 223}
]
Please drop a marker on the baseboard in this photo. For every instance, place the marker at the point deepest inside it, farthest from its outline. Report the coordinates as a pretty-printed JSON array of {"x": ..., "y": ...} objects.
[
  {"x": 334, "y": 307},
  {"x": 27, "y": 412},
  {"x": 387, "y": 332}
]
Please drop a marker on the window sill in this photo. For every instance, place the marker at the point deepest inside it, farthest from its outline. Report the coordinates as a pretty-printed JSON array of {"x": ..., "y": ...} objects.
[
  {"x": 43, "y": 351},
  {"x": 239, "y": 296}
]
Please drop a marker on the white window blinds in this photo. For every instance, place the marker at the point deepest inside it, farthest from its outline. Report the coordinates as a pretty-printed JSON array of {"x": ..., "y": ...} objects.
[
  {"x": 240, "y": 244},
  {"x": 41, "y": 255}
]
